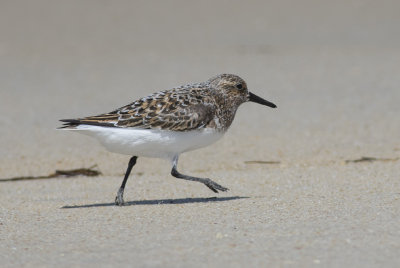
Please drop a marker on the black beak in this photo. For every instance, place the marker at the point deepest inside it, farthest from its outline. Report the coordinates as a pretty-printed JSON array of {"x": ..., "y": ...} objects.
[{"x": 257, "y": 99}]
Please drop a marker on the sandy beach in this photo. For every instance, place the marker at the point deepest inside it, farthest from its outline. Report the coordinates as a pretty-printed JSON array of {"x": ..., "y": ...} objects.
[{"x": 298, "y": 196}]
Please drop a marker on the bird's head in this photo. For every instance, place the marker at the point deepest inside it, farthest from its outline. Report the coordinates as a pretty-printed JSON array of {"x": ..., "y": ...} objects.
[{"x": 235, "y": 88}]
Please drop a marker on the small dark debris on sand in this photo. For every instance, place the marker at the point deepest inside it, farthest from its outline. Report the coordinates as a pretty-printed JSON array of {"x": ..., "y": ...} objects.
[
  {"x": 262, "y": 162},
  {"x": 370, "y": 159},
  {"x": 89, "y": 172}
]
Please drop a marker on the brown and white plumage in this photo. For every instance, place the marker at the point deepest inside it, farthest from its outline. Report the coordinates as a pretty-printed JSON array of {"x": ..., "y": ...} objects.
[{"x": 170, "y": 122}]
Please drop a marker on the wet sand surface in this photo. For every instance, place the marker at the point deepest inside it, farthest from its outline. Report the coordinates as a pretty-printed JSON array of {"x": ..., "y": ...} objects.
[{"x": 294, "y": 199}]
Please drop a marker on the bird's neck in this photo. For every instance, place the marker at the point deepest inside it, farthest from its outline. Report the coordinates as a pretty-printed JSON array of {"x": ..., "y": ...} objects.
[{"x": 227, "y": 111}]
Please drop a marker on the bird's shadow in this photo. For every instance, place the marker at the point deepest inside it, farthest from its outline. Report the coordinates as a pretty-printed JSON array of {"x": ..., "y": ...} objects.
[{"x": 163, "y": 201}]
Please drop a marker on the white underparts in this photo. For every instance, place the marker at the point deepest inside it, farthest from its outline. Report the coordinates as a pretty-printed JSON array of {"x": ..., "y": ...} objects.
[{"x": 150, "y": 142}]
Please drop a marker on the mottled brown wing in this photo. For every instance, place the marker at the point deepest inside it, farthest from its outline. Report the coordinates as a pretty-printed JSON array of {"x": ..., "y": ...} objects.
[
  {"x": 179, "y": 119},
  {"x": 177, "y": 110}
]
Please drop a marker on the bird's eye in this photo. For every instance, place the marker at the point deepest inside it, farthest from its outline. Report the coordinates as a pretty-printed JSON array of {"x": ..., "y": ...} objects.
[{"x": 239, "y": 86}]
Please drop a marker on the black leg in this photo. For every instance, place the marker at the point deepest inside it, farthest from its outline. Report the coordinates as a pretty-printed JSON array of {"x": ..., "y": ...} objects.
[
  {"x": 119, "y": 199},
  {"x": 207, "y": 182}
]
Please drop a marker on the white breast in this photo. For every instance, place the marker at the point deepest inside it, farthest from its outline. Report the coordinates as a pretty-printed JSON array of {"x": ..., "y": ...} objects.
[{"x": 150, "y": 142}]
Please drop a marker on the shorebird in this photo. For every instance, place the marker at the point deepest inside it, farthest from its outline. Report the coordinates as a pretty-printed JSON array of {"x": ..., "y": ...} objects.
[{"x": 170, "y": 122}]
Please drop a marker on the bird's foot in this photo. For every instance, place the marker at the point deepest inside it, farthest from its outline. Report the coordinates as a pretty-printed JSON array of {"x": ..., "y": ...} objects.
[
  {"x": 119, "y": 199},
  {"x": 215, "y": 187}
]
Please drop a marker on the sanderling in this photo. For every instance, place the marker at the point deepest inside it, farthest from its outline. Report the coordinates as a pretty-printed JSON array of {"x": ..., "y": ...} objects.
[{"x": 169, "y": 123}]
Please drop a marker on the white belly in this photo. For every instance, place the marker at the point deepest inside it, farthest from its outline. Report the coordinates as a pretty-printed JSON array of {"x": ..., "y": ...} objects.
[{"x": 150, "y": 142}]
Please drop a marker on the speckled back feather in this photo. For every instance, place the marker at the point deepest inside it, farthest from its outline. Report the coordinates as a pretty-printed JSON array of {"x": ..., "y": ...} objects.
[
  {"x": 185, "y": 108},
  {"x": 180, "y": 109}
]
